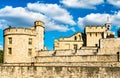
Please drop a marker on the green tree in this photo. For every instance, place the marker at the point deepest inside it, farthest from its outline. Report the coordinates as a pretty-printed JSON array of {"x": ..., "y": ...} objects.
[
  {"x": 1, "y": 56},
  {"x": 118, "y": 32}
]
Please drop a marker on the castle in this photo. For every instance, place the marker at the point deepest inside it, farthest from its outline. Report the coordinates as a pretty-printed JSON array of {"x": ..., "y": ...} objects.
[
  {"x": 92, "y": 54},
  {"x": 27, "y": 44}
]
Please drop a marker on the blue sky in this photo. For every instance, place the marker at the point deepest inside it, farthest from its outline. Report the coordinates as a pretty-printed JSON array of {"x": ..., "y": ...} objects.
[{"x": 62, "y": 17}]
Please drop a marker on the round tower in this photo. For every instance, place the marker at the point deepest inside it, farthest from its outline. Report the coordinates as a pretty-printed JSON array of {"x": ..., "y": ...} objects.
[
  {"x": 39, "y": 27},
  {"x": 19, "y": 45}
]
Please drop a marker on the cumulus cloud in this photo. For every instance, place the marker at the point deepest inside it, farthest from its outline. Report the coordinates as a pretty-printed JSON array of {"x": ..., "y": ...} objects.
[
  {"x": 92, "y": 19},
  {"x": 19, "y": 16},
  {"x": 98, "y": 19},
  {"x": 114, "y": 2},
  {"x": 82, "y": 3},
  {"x": 53, "y": 11},
  {"x": 25, "y": 16}
]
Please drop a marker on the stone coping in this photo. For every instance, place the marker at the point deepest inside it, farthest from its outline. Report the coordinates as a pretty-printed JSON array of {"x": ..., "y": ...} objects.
[{"x": 64, "y": 64}]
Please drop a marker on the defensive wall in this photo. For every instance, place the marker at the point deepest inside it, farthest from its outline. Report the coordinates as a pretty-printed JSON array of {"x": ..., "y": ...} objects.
[
  {"x": 95, "y": 28},
  {"x": 109, "y": 46},
  {"x": 82, "y": 55},
  {"x": 60, "y": 70},
  {"x": 19, "y": 31}
]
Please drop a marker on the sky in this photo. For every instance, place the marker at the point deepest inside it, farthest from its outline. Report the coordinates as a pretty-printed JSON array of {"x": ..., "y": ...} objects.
[{"x": 62, "y": 18}]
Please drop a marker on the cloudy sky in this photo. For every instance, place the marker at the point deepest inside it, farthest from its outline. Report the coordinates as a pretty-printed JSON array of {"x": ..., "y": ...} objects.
[{"x": 61, "y": 17}]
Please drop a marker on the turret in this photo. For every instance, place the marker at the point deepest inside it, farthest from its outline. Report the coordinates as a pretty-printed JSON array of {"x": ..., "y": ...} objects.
[
  {"x": 39, "y": 26},
  {"x": 39, "y": 23},
  {"x": 108, "y": 24}
]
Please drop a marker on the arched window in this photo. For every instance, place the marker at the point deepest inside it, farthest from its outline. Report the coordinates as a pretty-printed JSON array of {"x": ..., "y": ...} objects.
[
  {"x": 79, "y": 37},
  {"x": 75, "y": 38}
]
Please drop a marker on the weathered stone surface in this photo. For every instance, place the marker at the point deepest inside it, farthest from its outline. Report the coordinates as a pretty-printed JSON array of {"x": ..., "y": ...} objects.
[{"x": 58, "y": 72}]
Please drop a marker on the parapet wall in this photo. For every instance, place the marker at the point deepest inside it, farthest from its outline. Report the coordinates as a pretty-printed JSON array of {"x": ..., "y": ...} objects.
[
  {"x": 109, "y": 46},
  {"x": 68, "y": 52},
  {"x": 95, "y": 29},
  {"x": 19, "y": 31},
  {"x": 73, "y": 71},
  {"x": 110, "y": 43},
  {"x": 77, "y": 58}
]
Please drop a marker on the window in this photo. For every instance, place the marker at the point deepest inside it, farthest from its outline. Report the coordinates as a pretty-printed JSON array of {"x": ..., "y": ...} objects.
[
  {"x": 75, "y": 38},
  {"x": 10, "y": 40},
  {"x": 10, "y": 51},
  {"x": 29, "y": 52},
  {"x": 96, "y": 34},
  {"x": 75, "y": 46},
  {"x": 30, "y": 41},
  {"x": 79, "y": 37},
  {"x": 96, "y": 45},
  {"x": 90, "y": 34}
]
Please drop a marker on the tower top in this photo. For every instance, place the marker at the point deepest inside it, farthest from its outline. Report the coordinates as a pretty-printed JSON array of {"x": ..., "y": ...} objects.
[
  {"x": 39, "y": 23},
  {"x": 108, "y": 23},
  {"x": 108, "y": 19}
]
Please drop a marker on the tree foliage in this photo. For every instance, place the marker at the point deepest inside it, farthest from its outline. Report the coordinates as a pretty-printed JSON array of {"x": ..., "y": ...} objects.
[{"x": 1, "y": 56}]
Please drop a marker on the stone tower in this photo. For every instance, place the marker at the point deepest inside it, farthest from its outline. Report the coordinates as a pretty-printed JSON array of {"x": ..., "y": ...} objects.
[
  {"x": 39, "y": 26},
  {"x": 22, "y": 44},
  {"x": 108, "y": 24}
]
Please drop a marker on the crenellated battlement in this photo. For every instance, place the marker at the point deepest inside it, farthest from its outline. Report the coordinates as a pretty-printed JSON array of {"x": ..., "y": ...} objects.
[
  {"x": 19, "y": 31},
  {"x": 95, "y": 28}
]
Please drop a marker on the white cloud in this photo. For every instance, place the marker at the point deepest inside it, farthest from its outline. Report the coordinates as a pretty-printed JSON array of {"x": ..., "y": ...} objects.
[
  {"x": 82, "y": 3},
  {"x": 53, "y": 26},
  {"x": 25, "y": 16},
  {"x": 114, "y": 2},
  {"x": 1, "y": 47},
  {"x": 92, "y": 19},
  {"x": 98, "y": 19},
  {"x": 19, "y": 16},
  {"x": 53, "y": 11}
]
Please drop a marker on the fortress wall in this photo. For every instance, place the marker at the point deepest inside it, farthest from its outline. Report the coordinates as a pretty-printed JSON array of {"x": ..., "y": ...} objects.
[
  {"x": 77, "y": 58},
  {"x": 95, "y": 28},
  {"x": 58, "y": 72},
  {"x": 67, "y": 52},
  {"x": 110, "y": 43},
  {"x": 108, "y": 51},
  {"x": 18, "y": 31},
  {"x": 109, "y": 46}
]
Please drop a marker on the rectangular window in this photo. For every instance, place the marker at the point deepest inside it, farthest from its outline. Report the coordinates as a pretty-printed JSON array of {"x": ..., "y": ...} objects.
[
  {"x": 96, "y": 34},
  {"x": 30, "y": 41},
  {"x": 29, "y": 52},
  {"x": 75, "y": 46},
  {"x": 10, "y": 51},
  {"x": 90, "y": 34},
  {"x": 10, "y": 40}
]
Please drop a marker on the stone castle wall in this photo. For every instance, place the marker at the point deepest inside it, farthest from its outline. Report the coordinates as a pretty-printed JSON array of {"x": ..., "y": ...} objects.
[
  {"x": 83, "y": 55},
  {"x": 106, "y": 70},
  {"x": 109, "y": 46},
  {"x": 75, "y": 58},
  {"x": 19, "y": 31},
  {"x": 110, "y": 43},
  {"x": 95, "y": 28},
  {"x": 69, "y": 42}
]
